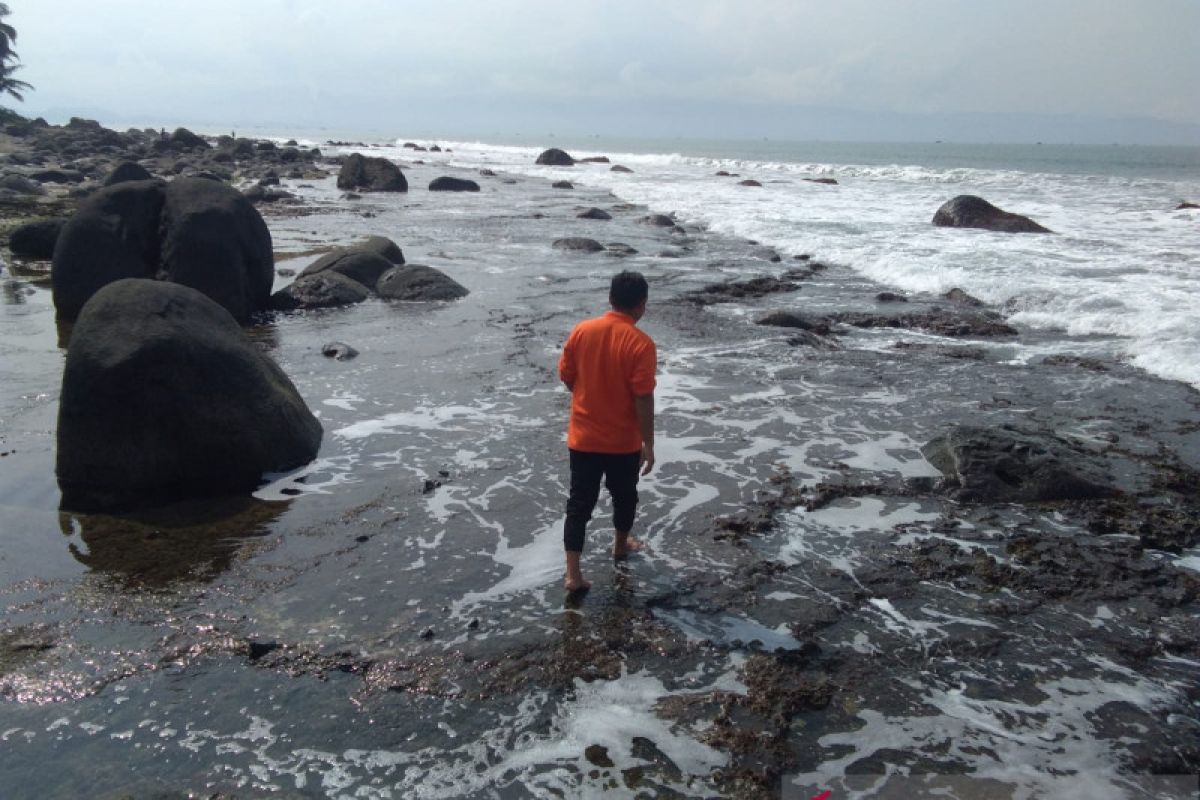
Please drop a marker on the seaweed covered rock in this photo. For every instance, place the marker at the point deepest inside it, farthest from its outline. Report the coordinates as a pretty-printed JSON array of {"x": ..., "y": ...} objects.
[
  {"x": 1007, "y": 465},
  {"x": 370, "y": 174},
  {"x": 164, "y": 397},
  {"x": 969, "y": 211}
]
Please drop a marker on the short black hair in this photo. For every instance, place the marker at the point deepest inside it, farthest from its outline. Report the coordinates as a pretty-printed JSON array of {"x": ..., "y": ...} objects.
[{"x": 628, "y": 290}]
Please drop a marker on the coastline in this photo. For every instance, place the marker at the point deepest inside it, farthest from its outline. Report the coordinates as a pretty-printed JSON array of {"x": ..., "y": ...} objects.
[{"x": 782, "y": 617}]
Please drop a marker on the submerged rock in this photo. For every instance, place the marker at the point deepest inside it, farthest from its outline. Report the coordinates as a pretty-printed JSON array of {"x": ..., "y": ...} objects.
[
  {"x": 338, "y": 350},
  {"x": 594, "y": 213},
  {"x": 940, "y": 321},
  {"x": 418, "y": 282},
  {"x": 969, "y": 211},
  {"x": 164, "y": 397},
  {"x": 1007, "y": 465},
  {"x": 371, "y": 174},
  {"x": 789, "y": 319},
  {"x": 555, "y": 158}
]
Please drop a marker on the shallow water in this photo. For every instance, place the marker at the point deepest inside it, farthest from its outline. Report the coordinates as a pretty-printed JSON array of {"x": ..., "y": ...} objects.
[{"x": 275, "y": 646}]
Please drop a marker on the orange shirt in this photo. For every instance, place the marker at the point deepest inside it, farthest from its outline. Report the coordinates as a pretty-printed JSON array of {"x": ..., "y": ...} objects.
[{"x": 607, "y": 361}]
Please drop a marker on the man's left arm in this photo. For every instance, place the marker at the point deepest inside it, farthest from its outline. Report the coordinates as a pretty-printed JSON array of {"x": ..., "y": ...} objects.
[{"x": 644, "y": 406}]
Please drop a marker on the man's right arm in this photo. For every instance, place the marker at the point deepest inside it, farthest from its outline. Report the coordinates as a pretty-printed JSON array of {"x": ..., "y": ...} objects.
[{"x": 644, "y": 406}]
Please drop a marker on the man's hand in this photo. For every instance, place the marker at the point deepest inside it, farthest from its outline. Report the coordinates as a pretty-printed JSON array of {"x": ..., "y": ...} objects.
[{"x": 646, "y": 462}]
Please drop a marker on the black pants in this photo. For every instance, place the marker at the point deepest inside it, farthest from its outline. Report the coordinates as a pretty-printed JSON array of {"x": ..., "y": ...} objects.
[{"x": 620, "y": 473}]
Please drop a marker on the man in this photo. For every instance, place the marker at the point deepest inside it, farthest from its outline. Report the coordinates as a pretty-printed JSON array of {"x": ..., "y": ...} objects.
[{"x": 608, "y": 364}]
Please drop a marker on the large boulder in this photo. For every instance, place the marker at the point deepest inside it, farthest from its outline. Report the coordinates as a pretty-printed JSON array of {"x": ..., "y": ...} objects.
[
  {"x": 1007, "y": 465},
  {"x": 214, "y": 240},
  {"x": 372, "y": 174},
  {"x": 36, "y": 239},
  {"x": 418, "y": 282},
  {"x": 197, "y": 232},
  {"x": 969, "y": 211},
  {"x": 448, "y": 184},
  {"x": 556, "y": 158},
  {"x": 164, "y": 397},
  {"x": 113, "y": 235},
  {"x": 326, "y": 289}
]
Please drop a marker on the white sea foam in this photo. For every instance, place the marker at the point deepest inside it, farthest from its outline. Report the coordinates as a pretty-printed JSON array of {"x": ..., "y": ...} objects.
[{"x": 1122, "y": 264}]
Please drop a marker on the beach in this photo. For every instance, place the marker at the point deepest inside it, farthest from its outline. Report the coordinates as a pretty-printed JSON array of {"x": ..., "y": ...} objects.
[{"x": 816, "y": 603}]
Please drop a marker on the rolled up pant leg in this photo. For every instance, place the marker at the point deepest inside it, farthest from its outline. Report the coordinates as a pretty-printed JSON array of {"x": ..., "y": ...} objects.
[{"x": 586, "y": 471}]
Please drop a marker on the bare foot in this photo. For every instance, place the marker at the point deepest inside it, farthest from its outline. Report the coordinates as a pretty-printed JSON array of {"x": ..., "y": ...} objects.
[
  {"x": 622, "y": 548},
  {"x": 576, "y": 584}
]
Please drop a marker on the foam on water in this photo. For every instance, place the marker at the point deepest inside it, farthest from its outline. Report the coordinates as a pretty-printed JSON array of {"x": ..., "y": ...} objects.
[{"x": 1123, "y": 264}]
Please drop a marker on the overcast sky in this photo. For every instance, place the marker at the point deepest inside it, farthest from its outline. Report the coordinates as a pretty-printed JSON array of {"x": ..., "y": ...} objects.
[{"x": 861, "y": 69}]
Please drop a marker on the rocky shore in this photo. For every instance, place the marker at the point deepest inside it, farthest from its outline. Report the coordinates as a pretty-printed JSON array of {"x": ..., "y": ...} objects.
[{"x": 879, "y": 545}]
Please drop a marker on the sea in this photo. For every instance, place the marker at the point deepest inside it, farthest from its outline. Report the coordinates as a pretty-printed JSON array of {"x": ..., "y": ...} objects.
[
  {"x": 1123, "y": 265},
  {"x": 388, "y": 621}
]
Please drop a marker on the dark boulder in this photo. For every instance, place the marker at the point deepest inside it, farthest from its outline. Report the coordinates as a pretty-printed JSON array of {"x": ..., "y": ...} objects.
[
  {"x": 890, "y": 297},
  {"x": 113, "y": 235},
  {"x": 448, "y": 184},
  {"x": 594, "y": 213},
  {"x": 969, "y": 211},
  {"x": 128, "y": 171},
  {"x": 619, "y": 168},
  {"x": 326, "y": 289},
  {"x": 185, "y": 139},
  {"x": 371, "y": 175},
  {"x": 57, "y": 176},
  {"x": 749, "y": 182},
  {"x": 361, "y": 266},
  {"x": 1007, "y": 465},
  {"x": 555, "y": 158},
  {"x": 658, "y": 221},
  {"x": 620, "y": 249},
  {"x": 36, "y": 239},
  {"x": 487, "y": 173},
  {"x": 825, "y": 181},
  {"x": 562, "y": 185},
  {"x": 1185, "y": 205},
  {"x": 197, "y": 232},
  {"x": 418, "y": 282},
  {"x": 593, "y": 160},
  {"x": 215, "y": 241},
  {"x": 578, "y": 244},
  {"x": 381, "y": 246},
  {"x": 164, "y": 397}
]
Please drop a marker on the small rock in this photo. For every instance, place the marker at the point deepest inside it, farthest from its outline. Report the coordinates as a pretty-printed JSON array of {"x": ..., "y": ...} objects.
[
  {"x": 594, "y": 213},
  {"x": 448, "y": 184},
  {"x": 620, "y": 168},
  {"x": 578, "y": 244},
  {"x": 598, "y": 755},
  {"x": 339, "y": 350},
  {"x": 427, "y": 634},
  {"x": 555, "y": 158},
  {"x": 891, "y": 297},
  {"x": 562, "y": 185},
  {"x": 749, "y": 182}
]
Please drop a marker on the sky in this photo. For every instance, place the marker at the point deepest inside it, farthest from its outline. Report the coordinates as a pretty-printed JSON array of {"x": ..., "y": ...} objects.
[{"x": 874, "y": 70}]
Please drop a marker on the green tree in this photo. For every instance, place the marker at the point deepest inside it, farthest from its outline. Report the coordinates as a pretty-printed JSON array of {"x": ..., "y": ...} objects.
[{"x": 8, "y": 37}]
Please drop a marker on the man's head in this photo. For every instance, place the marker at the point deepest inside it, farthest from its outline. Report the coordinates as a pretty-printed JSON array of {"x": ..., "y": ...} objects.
[{"x": 628, "y": 293}]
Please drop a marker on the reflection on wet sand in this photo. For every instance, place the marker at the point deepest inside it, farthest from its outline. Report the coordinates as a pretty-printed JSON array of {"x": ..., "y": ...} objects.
[{"x": 194, "y": 540}]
